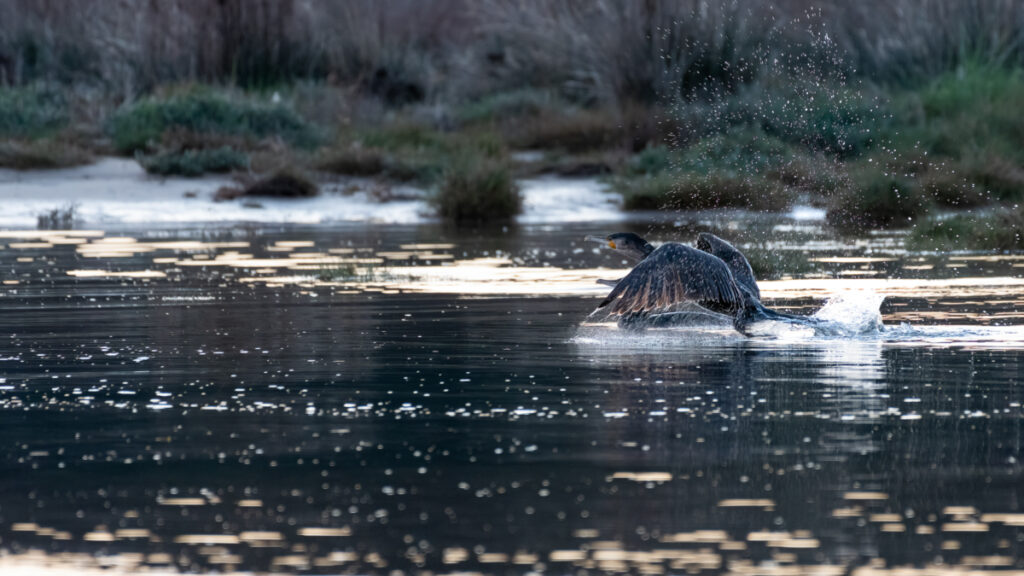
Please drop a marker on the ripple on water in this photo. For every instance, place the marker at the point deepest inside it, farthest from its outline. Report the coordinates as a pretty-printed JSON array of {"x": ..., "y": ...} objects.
[{"x": 199, "y": 422}]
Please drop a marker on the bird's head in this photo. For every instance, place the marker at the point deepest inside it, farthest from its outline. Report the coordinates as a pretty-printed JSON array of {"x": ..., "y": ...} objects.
[{"x": 627, "y": 243}]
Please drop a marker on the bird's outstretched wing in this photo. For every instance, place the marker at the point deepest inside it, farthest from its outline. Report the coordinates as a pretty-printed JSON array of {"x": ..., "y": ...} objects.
[
  {"x": 733, "y": 258},
  {"x": 672, "y": 274}
]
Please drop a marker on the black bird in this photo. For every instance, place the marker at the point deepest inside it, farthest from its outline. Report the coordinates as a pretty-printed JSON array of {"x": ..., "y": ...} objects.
[{"x": 715, "y": 276}]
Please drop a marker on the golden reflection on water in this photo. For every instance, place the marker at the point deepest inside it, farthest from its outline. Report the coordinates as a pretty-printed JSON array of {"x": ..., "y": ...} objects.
[{"x": 432, "y": 268}]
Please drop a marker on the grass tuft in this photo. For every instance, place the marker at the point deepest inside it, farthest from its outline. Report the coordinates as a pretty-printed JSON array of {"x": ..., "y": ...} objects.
[
  {"x": 477, "y": 190},
  {"x": 61, "y": 218}
]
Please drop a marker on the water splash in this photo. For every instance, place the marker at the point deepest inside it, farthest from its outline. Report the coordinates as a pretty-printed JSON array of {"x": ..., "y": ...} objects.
[
  {"x": 853, "y": 313},
  {"x": 845, "y": 316}
]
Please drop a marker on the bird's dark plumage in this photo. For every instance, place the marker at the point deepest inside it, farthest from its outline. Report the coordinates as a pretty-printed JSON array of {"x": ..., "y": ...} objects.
[
  {"x": 672, "y": 274},
  {"x": 715, "y": 276},
  {"x": 732, "y": 257}
]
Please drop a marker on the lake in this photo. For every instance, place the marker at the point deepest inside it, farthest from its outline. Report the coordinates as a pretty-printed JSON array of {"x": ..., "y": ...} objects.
[{"x": 407, "y": 398}]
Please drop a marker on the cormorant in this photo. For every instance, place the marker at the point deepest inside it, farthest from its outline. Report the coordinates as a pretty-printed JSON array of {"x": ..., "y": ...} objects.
[{"x": 715, "y": 276}]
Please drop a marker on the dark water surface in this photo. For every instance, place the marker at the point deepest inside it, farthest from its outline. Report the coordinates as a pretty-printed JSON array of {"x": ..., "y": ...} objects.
[{"x": 197, "y": 423}]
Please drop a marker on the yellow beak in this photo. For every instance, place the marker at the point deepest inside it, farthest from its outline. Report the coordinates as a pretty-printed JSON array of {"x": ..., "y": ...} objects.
[{"x": 611, "y": 244}]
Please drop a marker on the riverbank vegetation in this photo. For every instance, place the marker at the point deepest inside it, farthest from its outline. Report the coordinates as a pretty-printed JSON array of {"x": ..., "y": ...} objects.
[{"x": 687, "y": 105}]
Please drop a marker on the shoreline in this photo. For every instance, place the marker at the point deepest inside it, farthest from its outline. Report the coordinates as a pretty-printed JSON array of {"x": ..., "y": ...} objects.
[{"x": 118, "y": 192}]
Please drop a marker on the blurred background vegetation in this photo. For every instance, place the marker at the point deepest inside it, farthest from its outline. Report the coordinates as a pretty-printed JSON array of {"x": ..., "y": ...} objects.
[{"x": 895, "y": 113}]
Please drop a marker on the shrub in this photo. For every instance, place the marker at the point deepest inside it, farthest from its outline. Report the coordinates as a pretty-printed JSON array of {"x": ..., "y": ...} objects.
[
  {"x": 821, "y": 116},
  {"x": 815, "y": 174},
  {"x": 735, "y": 169},
  {"x": 202, "y": 111},
  {"x": 831, "y": 119},
  {"x": 877, "y": 199},
  {"x": 477, "y": 189},
  {"x": 996, "y": 176},
  {"x": 690, "y": 191},
  {"x": 951, "y": 189},
  {"x": 195, "y": 162},
  {"x": 974, "y": 112},
  {"x": 650, "y": 161},
  {"x": 999, "y": 230},
  {"x": 741, "y": 150},
  {"x": 282, "y": 184},
  {"x": 30, "y": 113}
]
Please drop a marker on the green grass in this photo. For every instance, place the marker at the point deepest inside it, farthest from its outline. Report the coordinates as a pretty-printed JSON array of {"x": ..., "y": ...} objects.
[
  {"x": 477, "y": 190},
  {"x": 30, "y": 113},
  {"x": 193, "y": 163},
  {"x": 1002, "y": 229},
  {"x": 205, "y": 112},
  {"x": 408, "y": 152}
]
